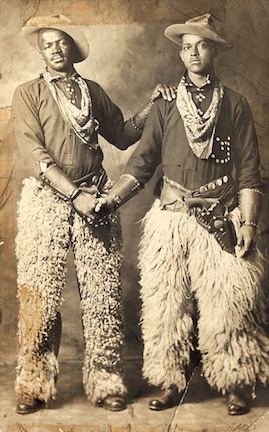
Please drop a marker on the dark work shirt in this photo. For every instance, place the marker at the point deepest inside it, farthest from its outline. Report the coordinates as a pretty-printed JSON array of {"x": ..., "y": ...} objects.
[
  {"x": 164, "y": 143},
  {"x": 43, "y": 135}
]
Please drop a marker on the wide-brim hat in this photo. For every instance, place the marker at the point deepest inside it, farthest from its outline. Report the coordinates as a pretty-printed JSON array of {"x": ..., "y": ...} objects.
[
  {"x": 32, "y": 28},
  {"x": 202, "y": 25}
]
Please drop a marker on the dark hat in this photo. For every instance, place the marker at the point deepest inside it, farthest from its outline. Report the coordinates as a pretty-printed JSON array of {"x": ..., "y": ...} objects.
[
  {"x": 202, "y": 26},
  {"x": 32, "y": 28}
]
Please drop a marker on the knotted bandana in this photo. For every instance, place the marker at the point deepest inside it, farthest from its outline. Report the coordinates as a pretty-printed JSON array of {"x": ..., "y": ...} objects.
[
  {"x": 80, "y": 119},
  {"x": 199, "y": 129}
]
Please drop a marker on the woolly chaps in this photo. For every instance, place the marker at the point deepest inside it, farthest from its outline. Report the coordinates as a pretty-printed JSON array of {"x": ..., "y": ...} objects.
[
  {"x": 46, "y": 226},
  {"x": 181, "y": 264}
]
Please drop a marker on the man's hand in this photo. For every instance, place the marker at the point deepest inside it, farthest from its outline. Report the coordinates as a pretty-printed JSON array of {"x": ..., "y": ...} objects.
[
  {"x": 164, "y": 91},
  {"x": 245, "y": 240},
  {"x": 106, "y": 202},
  {"x": 85, "y": 203}
]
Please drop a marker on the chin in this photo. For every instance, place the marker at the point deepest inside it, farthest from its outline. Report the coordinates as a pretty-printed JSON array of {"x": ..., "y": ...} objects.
[
  {"x": 196, "y": 68},
  {"x": 59, "y": 68}
]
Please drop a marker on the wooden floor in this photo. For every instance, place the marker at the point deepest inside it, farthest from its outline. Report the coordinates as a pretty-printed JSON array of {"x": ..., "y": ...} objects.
[{"x": 202, "y": 410}]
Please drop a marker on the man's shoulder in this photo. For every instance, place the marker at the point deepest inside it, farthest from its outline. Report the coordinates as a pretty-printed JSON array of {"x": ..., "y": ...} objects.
[
  {"x": 93, "y": 85},
  {"x": 164, "y": 107},
  {"x": 233, "y": 95},
  {"x": 98, "y": 93},
  {"x": 32, "y": 83}
]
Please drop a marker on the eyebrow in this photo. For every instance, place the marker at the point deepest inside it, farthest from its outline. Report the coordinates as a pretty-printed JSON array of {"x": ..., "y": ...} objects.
[
  {"x": 199, "y": 41},
  {"x": 48, "y": 43}
]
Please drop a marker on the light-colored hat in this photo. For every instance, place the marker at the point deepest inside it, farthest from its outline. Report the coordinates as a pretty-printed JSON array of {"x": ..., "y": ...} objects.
[
  {"x": 32, "y": 28},
  {"x": 202, "y": 26}
]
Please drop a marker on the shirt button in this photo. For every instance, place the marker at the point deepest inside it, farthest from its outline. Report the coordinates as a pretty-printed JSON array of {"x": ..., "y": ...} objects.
[{"x": 212, "y": 186}]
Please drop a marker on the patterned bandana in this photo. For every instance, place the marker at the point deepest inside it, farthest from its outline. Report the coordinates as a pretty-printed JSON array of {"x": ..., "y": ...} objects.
[
  {"x": 199, "y": 129},
  {"x": 80, "y": 119}
]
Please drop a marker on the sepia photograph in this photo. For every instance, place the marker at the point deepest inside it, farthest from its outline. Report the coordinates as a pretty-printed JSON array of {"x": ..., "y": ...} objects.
[{"x": 134, "y": 202}]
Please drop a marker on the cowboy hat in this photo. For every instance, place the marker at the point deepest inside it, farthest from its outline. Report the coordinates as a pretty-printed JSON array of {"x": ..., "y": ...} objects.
[
  {"x": 202, "y": 25},
  {"x": 32, "y": 28}
]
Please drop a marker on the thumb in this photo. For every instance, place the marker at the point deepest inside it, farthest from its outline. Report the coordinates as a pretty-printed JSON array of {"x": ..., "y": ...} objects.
[
  {"x": 100, "y": 203},
  {"x": 240, "y": 240}
]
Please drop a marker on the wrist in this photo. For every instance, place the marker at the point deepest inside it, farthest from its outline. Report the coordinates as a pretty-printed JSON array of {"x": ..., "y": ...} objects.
[
  {"x": 126, "y": 187},
  {"x": 74, "y": 194},
  {"x": 248, "y": 223},
  {"x": 117, "y": 201},
  {"x": 135, "y": 126}
]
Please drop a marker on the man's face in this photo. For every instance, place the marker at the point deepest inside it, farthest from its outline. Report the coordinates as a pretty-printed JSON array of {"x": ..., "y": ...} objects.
[
  {"x": 197, "y": 54},
  {"x": 56, "y": 49}
]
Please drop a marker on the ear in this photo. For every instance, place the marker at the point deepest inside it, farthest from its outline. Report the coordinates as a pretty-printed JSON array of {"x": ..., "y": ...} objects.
[
  {"x": 216, "y": 49},
  {"x": 41, "y": 55},
  {"x": 181, "y": 55}
]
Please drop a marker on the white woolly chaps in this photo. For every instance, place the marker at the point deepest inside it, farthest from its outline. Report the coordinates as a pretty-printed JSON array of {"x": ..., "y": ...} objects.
[
  {"x": 182, "y": 265},
  {"x": 47, "y": 225}
]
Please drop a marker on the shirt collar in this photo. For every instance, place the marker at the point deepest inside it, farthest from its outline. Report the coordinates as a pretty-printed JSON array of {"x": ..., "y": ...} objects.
[
  {"x": 54, "y": 77},
  {"x": 191, "y": 87}
]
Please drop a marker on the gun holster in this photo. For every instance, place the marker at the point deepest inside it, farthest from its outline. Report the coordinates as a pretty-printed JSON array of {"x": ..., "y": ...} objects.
[{"x": 212, "y": 218}]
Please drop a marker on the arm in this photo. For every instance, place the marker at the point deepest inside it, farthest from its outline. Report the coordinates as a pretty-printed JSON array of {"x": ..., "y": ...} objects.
[
  {"x": 112, "y": 126},
  {"x": 27, "y": 128},
  {"x": 248, "y": 177},
  {"x": 141, "y": 165},
  {"x": 249, "y": 204}
]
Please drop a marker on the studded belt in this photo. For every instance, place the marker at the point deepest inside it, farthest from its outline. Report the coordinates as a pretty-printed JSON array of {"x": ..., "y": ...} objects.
[
  {"x": 211, "y": 189},
  {"x": 173, "y": 194}
]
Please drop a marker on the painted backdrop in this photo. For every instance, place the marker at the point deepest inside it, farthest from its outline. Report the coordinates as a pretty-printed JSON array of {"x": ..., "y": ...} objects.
[{"x": 129, "y": 57}]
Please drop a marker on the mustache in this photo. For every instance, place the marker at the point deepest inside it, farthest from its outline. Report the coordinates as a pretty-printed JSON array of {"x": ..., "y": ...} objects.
[{"x": 56, "y": 56}]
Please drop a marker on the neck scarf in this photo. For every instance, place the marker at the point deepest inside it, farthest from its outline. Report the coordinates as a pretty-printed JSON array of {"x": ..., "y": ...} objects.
[
  {"x": 80, "y": 119},
  {"x": 199, "y": 129}
]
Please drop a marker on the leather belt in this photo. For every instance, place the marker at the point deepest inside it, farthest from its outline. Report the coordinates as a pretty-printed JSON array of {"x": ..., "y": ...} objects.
[
  {"x": 174, "y": 196},
  {"x": 97, "y": 178},
  {"x": 211, "y": 189}
]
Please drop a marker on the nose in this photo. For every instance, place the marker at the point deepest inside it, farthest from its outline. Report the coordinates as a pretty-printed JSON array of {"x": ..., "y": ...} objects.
[
  {"x": 194, "y": 50},
  {"x": 56, "y": 48}
]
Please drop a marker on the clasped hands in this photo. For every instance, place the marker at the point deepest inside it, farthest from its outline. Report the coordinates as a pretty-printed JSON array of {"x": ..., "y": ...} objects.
[{"x": 90, "y": 201}]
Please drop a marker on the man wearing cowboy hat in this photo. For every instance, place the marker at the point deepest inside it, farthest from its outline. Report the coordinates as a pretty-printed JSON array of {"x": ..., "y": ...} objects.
[
  {"x": 57, "y": 120},
  {"x": 201, "y": 271}
]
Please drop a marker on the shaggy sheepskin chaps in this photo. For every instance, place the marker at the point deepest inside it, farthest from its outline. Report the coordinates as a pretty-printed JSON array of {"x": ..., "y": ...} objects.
[
  {"x": 181, "y": 263},
  {"x": 47, "y": 225}
]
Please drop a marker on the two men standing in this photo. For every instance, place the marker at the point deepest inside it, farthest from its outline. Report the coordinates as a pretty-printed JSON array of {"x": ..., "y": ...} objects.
[{"x": 200, "y": 271}]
